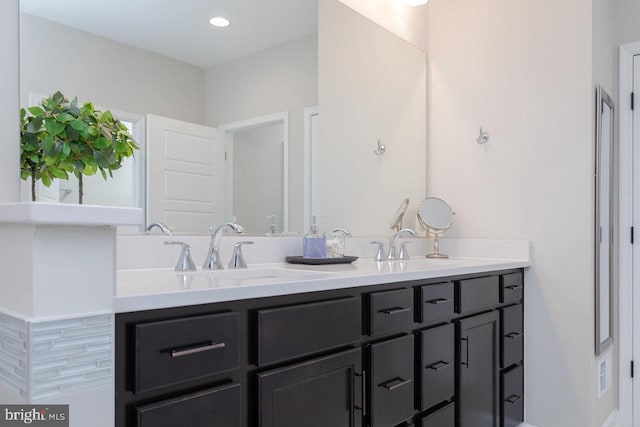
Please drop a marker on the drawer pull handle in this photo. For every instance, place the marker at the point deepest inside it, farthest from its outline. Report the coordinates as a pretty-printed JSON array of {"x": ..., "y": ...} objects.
[
  {"x": 439, "y": 301},
  {"x": 395, "y": 383},
  {"x": 438, "y": 365},
  {"x": 363, "y": 408},
  {"x": 209, "y": 347},
  {"x": 512, "y": 399},
  {"x": 513, "y": 287},
  {"x": 466, "y": 345},
  {"x": 394, "y": 310},
  {"x": 514, "y": 335}
]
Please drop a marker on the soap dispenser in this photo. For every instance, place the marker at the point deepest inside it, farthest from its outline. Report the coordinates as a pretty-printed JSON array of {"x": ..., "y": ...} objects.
[
  {"x": 273, "y": 228},
  {"x": 314, "y": 244}
]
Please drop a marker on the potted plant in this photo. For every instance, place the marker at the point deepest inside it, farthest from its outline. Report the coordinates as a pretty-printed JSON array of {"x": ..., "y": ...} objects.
[{"x": 59, "y": 137}]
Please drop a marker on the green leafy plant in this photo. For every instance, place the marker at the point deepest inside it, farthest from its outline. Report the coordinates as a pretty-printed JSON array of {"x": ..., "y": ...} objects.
[{"x": 59, "y": 137}]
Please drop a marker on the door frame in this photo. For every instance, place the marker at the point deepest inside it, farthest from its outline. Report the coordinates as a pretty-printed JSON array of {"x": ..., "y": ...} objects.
[
  {"x": 625, "y": 248},
  {"x": 230, "y": 128},
  {"x": 311, "y": 185}
]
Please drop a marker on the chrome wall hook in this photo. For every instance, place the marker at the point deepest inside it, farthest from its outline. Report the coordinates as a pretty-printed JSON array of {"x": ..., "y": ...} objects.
[
  {"x": 483, "y": 138},
  {"x": 380, "y": 150}
]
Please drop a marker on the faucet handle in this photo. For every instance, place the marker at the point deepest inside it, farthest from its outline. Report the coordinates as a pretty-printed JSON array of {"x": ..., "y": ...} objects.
[
  {"x": 403, "y": 255},
  {"x": 237, "y": 259},
  {"x": 185, "y": 263},
  {"x": 380, "y": 254}
]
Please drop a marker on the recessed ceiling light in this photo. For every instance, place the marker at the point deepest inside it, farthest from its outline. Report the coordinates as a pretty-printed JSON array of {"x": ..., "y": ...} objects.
[
  {"x": 416, "y": 2},
  {"x": 219, "y": 21}
]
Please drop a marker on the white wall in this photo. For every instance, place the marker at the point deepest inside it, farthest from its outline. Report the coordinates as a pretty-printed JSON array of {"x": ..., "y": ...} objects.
[
  {"x": 284, "y": 78},
  {"x": 110, "y": 74},
  {"x": 523, "y": 70},
  {"x": 408, "y": 22},
  {"x": 9, "y": 102},
  {"x": 627, "y": 16},
  {"x": 372, "y": 87},
  {"x": 604, "y": 74}
]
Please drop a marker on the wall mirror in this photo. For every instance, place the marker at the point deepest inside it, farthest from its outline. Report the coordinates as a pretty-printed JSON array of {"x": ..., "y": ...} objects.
[
  {"x": 604, "y": 233},
  {"x": 169, "y": 62}
]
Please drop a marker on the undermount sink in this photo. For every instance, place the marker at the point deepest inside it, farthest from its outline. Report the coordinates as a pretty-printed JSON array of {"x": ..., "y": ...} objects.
[{"x": 281, "y": 274}]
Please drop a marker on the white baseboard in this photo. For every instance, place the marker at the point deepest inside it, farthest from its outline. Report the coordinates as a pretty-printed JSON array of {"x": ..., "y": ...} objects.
[
  {"x": 612, "y": 419},
  {"x": 525, "y": 425}
]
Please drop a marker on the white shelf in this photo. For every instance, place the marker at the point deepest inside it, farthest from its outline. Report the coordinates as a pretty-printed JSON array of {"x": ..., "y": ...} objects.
[{"x": 66, "y": 214}]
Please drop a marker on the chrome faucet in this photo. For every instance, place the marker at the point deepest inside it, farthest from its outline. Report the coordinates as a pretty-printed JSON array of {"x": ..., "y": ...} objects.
[
  {"x": 392, "y": 243},
  {"x": 380, "y": 253},
  {"x": 346, "y": 232},
  {"x": 185, "y": 263},
  {"x": 213, "y": 262},
  {"x": 237, "y": 259},
  {"x": 165, "y": 230}
]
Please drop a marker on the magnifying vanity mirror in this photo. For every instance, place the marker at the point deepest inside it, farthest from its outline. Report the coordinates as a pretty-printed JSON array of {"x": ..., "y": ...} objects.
[
  {"x": 435, "y": 216},
  {"x": 231, "y": 119}
]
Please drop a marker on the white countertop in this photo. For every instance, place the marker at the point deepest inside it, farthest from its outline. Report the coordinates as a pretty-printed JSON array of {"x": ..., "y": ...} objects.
[{"x": 147, "y": 289}]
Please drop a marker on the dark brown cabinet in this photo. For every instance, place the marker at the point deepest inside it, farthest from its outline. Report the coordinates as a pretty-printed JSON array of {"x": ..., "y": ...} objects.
[
  {"x": 318, "y": 393},
  {"x": 218, "y": 407},
  {"x": 179, "y": 350},
  {"x": 392, "y": 386},
  {"x": 445, "y": 417},
  {"x": 390, "y": 311},
  {"x": 512, "y": 335},
  {"x": 512, "y": 397},
  {"x": 437, "y": 365},
  {"x": 478, "y": 389},
  {"x": 302, "y": 329},
  {"x": 444, "y": 352}
]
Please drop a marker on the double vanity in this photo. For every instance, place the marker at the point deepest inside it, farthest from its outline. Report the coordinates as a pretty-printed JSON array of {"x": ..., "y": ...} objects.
[
  {"x": 380, "y": 344},
  {"x": 430, "y": 342}
]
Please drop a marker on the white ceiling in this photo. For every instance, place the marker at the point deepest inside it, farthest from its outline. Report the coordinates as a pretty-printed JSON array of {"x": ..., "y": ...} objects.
[{"x": 180, "y": 29}]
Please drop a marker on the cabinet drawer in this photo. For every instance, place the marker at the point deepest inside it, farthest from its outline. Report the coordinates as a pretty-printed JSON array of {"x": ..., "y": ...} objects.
[
  {"x": 445, "y": 417},
  {"x": 390, "y": 311},
  {"x": 215, "y": 407},
  {"x": 436, "y": 302},
  {"x": 511, "y": 288},
  {"x": 437, "y": 365},
  {"x": 299, "y": 330},
  {"x": 392, "y": 386},
  {"x": 511, "y": 325},
  {"x": 512, "y": 397},
  {"x": 477, "y": 294},
  {"x": 172, "y": 351}
]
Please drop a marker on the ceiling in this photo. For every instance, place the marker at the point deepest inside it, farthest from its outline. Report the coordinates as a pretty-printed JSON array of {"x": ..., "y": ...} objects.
[{"x": 180, "y": 29}]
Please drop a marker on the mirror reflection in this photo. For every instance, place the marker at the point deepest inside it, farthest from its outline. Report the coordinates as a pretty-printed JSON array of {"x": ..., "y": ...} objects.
[{"x": 172, "y": 64}]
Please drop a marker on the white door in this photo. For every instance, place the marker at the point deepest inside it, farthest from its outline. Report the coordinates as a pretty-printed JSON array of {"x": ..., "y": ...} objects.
[{"x": 185, "y": 175}]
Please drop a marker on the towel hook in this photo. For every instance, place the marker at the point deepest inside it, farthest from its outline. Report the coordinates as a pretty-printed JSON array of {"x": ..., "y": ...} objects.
[
  {"x": 483, "y": 138},
  {"x": 380, "y": 150}
]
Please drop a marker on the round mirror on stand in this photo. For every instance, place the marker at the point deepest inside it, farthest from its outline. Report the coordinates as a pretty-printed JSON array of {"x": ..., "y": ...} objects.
[
  {"x": 435, "y": 216},
  {"x": 397, "y": 218}
]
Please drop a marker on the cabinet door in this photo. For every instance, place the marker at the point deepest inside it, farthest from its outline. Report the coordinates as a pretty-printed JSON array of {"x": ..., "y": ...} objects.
[
  {"x": 478, "y": 342},
  {"x": 318, "y": 393}
]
